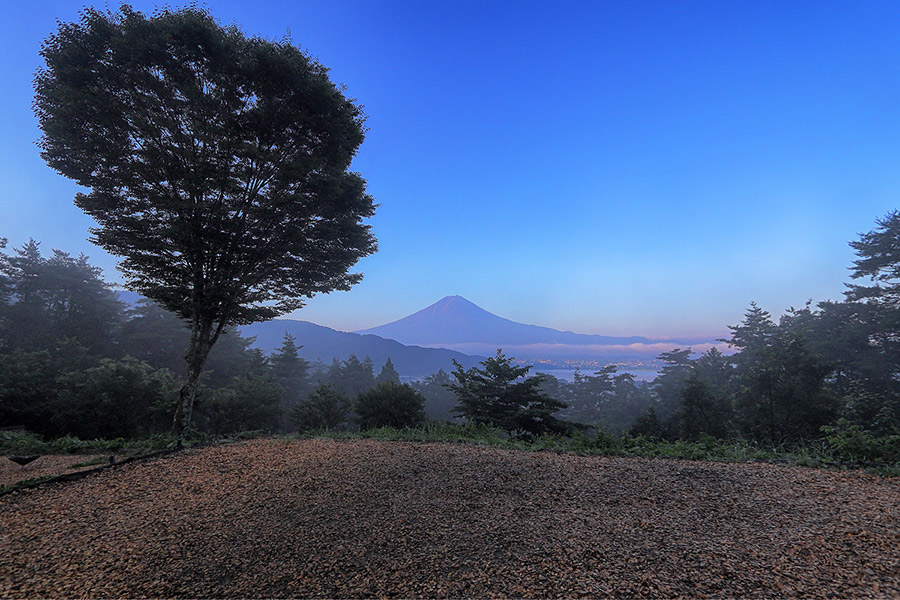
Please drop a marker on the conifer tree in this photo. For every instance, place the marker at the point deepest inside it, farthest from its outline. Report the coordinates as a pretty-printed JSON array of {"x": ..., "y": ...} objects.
[
  {"x": 289, "y": 370},
  {"x": 388, "y": 373},
  {"x": 501, "y": 395}
]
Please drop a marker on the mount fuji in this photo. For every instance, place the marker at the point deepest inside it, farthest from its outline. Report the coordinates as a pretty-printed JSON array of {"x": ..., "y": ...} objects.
[
  {"x": 455, "y": 320},
  {"x": 458, "y": 324}
]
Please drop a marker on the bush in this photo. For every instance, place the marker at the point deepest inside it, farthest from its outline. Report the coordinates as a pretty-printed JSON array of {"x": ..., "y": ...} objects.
[
  {"x": 251, "y": 402},
  {"x": 649, "y": 425},
  {"x": 390, "y": 404},
  {"x": 117, "y": 398},
  {"x": 853, "y": 443},
  {"x": 324, "y": 408},
  {"x": 28, "y": 389}
]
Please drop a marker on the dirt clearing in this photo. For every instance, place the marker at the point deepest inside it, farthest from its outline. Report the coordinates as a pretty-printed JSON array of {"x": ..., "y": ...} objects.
[{"x": 325, "y": 518}]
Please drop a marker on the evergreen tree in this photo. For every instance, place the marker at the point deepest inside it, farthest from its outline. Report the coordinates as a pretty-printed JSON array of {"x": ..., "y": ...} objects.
[
  {"x": 388, "y": 373},
  {"x": 715, "y": 370},
  {"x": 702, "y": 411},
  {"x": 80, "y": 304},
  {"x": 333, "y": 375},
  {"x": 501, "y": 395},
  {"x": 879, "y": 262},
  {"x": 629, "y": 400},
  {"x": 672, "y": 380},
  {"x": 591, "y": 394},
  {"x": 439, "y": 399},
  {"x": 56, "y": 298},
  {"x": 6, "y": 288},
  {"x": 751, "y": 337},
  {"x": 27, "y": 324},
  {"x": 290, "y": 371},
  {"x": 156, "y": 336},
  {"x": 356, "y": 376},
  {"x": 784, "y": 396}
]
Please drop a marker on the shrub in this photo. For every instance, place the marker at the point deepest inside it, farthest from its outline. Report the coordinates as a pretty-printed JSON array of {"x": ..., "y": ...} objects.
[
  {"x": 390, "y": 404},
  {"x": 251, "y": 402},
  {"x": 853, "y": 443},
  {"x": 324, "y": 408},
  {"x": 117, "y": 398}
]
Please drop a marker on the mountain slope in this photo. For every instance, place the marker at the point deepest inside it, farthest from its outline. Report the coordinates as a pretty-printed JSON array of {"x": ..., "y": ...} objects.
[{"x": 325, "y": 344}]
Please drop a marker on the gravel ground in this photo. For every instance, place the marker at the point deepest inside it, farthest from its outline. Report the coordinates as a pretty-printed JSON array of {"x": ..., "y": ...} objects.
[{"x": 326, "y": 518}]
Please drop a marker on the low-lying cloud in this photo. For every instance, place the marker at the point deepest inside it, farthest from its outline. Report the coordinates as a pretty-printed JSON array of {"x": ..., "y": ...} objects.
[{"x": 588, "y": 353}]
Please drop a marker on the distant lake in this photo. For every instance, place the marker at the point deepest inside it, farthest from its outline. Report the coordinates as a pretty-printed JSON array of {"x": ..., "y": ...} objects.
[{"x": 569, "y": 374}]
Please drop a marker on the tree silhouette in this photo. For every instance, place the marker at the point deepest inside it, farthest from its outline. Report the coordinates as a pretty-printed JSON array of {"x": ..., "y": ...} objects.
[{"x": 217, "y": 164}]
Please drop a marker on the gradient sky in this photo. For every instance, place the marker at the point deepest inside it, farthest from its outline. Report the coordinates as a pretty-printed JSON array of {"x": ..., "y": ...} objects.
[{"x": 624, "y": 168}]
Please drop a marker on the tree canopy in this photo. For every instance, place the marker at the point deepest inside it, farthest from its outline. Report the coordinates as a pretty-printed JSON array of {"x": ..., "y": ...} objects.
[
  {"x": 879, "y": 260},
  {"x": 217, "y": 165}
]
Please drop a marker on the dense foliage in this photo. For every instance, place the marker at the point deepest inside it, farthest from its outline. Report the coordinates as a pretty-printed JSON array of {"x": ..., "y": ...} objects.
[
  {"x": 75, "y": 360},
  {"x": 389, "y": 404}
]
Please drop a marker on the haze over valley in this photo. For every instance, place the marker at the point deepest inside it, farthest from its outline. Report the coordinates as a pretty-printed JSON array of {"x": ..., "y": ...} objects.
[{"x": 458, "y": 324}]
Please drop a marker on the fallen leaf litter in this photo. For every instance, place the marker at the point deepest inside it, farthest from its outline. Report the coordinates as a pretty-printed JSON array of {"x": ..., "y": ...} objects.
[{"x": 365, "y": 518}]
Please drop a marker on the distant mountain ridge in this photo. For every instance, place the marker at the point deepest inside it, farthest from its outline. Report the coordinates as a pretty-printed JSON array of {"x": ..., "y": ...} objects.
[
  {"x": 318, "y": 343},
  {"x": 325, "y": 344}
]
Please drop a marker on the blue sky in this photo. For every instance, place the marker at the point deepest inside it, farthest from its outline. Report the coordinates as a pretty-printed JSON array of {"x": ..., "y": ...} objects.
[{"x": 620, "y": 168}]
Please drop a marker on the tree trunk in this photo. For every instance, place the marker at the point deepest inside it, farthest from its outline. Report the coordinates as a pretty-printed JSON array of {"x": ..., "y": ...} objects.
[
  {"x": 185, "y": 407},
  {"x": 198, "y": 349}
]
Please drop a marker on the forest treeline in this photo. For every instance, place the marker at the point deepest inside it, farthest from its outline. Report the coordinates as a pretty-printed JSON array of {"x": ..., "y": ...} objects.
[{"x": 75, "y": 360}]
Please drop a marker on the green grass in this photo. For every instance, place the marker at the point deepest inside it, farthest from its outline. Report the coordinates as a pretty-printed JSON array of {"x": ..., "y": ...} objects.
[
  {"x": 821, "y": 453},
  {"x": 843, "y": 446},
  {"x": 21, "y": 442}
]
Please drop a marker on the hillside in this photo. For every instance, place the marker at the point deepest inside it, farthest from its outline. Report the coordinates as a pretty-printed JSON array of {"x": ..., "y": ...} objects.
[
  {"x": 318, "y": 343},
  {"x": 324, "y": 344},
  {"x": 325, "y": 518}
]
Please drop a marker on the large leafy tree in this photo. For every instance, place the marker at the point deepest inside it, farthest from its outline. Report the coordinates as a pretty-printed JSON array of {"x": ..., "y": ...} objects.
[{"x": 217, "y": 166}]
